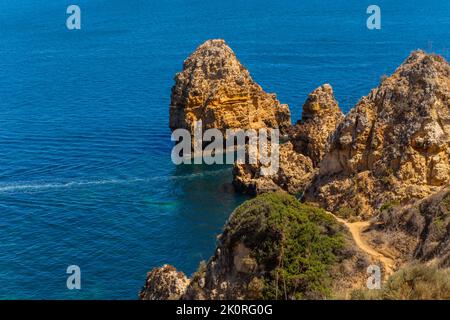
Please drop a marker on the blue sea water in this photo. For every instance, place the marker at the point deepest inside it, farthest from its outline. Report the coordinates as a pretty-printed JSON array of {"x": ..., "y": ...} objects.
[{"x": 85, "y": 171}]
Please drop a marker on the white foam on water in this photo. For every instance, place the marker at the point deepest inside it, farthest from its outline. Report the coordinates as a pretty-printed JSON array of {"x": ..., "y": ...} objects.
[
  {"x": 60, "y": 185},
  {"x": 42, "y": 186}
]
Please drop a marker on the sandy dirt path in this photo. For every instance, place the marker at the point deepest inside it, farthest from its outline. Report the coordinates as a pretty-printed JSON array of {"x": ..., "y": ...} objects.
[{"x": 356, "y": 229}]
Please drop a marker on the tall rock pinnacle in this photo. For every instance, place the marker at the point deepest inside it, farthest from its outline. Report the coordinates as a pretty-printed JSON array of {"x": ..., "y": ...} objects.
[
  {"x": 216, "y": 88},
  {"x": 320, "y": 117}
]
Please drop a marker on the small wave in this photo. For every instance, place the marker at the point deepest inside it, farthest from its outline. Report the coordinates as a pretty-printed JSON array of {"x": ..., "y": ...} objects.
[
  {"x": 42, "y": 186},
  {"x": 59, "y": 185}
]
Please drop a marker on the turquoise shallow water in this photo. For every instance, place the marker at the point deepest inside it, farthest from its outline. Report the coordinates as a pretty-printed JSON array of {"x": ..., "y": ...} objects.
[{"x": 85, "y": 170}]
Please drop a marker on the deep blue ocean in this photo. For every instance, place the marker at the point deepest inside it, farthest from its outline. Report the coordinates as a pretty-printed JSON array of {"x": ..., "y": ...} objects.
[{"x": 85, "y": 172}]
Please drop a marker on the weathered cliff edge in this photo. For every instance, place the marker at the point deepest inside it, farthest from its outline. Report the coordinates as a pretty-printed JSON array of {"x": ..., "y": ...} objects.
[
  {"x": 216, "y": 88},
  {"x": 389, "y": 155},
  {"x": 272, "y": 247},
  {"x": 393, "y": 146}
]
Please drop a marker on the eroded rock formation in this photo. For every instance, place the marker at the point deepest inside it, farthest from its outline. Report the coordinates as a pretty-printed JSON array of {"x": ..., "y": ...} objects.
[
  {"x": 308, "y": 141},
  {"x": 274, "y": 247},
  {"x": 389, "y": 155},
  {"x": 294, "y": 173},
  {"x": 320, "y": 117},
  {"x": 164, "y": 283},
  {"x": 216, "y": 88},
  {"x": 394, "y": 145}
]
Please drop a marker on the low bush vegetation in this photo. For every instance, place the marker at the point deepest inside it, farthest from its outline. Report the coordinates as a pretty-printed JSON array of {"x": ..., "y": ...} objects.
[
  {"x": 296, "y": 244},
  {"x": 413, "y": 282},
  {"x": 346, "y": 212}
]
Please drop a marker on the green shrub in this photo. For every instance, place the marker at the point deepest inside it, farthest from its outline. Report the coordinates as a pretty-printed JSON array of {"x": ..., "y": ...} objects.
[
  {"x": 346, "y": 212},
  {"x": 389, "y": 205},
  {"x": 440, "y": 225},
  {"x": 437, "y": 57},
  {"x": 296, "y": 244},
  {"x": 413, "y": 282},
  {"x": 446, "y": 203}
]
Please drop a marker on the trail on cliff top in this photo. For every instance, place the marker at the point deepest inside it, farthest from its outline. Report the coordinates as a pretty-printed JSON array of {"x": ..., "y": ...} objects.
[{"x": 356, "y": 229}]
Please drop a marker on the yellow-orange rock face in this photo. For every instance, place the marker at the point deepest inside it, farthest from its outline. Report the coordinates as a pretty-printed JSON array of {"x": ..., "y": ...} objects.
[
  {"x": 394, "y": 145},
  {"x": 216, "y": 88},
  {"x": 320, "y": 117},
  {"x": 309, "y": 140}
]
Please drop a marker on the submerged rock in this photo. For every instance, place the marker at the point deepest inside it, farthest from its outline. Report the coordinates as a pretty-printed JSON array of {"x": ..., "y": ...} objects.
[{"x": 216, "y": 88}]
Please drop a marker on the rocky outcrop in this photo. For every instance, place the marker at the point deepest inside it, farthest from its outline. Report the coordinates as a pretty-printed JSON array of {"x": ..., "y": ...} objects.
[
  {"x": 394, "y": 145},
  {"x": 274, "y": 247},
  {"x": 389, "y": 155},
  {"x": 164, "y": 283},
  {"x": 216, "y": 88},
  {"x": 320, "y": 117},
  {"x": 294, "y": 173},
  {"x": 308, "y": 141}
]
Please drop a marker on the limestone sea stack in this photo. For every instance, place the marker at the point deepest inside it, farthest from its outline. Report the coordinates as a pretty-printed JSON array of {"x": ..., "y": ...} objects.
[
  {"x": 216, "y": 88},
  {"x": 394, "y": 144},
  {"x": 320, "y": 117},
  {"x": 308, "y": 141}
]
